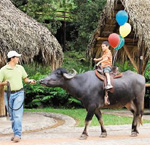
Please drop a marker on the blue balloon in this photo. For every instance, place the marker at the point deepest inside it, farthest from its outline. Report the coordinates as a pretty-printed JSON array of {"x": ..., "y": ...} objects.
[
  {"x": 121, "y": 43},
  {"x": 122, "y": 17}
]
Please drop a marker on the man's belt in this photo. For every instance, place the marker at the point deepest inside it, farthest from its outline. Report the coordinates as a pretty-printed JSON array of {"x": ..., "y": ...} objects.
[{"x": 12, "y": 92}]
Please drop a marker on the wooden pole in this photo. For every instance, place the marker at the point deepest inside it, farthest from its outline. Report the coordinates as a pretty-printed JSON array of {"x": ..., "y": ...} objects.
[
  {"x": 126, "y": 39},
  {"x": 2, "y": 102},
  {"x": 64, "y": 31},
  {"x": 129, "y": 56},
  {"x": 140, "y": 60},
  {"x": 147, "y": 85}
]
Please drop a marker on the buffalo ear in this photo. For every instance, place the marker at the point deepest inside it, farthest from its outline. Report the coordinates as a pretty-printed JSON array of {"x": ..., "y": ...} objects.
[{"x": 70, "y": 76}]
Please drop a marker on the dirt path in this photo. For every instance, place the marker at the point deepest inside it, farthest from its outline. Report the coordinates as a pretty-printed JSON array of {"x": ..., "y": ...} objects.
[{"x": 64, "y": 132}]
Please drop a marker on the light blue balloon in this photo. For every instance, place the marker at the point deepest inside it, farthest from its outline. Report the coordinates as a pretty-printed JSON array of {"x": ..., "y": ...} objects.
[
  {"x": 122, "y": 17},
  {"x": 121, "y": 43}
]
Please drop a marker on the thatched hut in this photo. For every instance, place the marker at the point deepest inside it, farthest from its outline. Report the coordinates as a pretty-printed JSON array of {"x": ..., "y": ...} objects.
[
  {"x": 25, "y": 35},
  {"x": 137, "y": 43}
]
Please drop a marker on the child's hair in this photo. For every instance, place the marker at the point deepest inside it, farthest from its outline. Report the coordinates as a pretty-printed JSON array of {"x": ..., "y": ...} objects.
[{"x": 106, "y": 43}]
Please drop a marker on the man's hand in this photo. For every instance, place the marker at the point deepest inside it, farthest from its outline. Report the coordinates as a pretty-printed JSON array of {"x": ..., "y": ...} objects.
[
  {"x": 32, "y": 81},
  {"x": 3, "y": 83}
]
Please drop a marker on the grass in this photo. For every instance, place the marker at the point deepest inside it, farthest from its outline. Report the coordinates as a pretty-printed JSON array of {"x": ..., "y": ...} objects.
[{"x": 80, "y": 114}]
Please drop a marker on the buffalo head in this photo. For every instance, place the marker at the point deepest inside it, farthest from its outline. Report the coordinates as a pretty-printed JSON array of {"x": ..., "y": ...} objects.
[{"x": 57, "y": 77}]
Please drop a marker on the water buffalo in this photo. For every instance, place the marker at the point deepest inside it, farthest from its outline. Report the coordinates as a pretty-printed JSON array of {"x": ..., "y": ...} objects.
[{"x": 129, "y": 92}]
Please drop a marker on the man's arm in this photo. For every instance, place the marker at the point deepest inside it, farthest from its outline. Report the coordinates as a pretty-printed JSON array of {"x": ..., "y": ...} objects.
[{"x": 31, "y": 81}]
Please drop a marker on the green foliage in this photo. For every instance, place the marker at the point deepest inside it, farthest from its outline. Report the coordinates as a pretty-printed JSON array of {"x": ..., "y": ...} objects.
[
  {"x": 19, "y": 3},
  {"x": 41, "y": 96},
  {"x": 147, "y": 71},
  {"x": 76, "y": 60},
  {"x": 84, "y": 15},
  {"x": 126, "y": 66},
  {"x": 87, "y": 13},
  {"x": 48, "y": 12}
]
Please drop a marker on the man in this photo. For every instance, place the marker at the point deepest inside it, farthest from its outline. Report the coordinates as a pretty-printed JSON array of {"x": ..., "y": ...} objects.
[
  {"x": 14, "y": 74},
  {"x": 106, "y": 62}
]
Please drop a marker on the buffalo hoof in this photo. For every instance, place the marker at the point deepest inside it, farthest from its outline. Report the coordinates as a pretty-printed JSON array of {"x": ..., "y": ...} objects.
[
  {"x": 103, "y": 134},
  {"x": 134, "y": 134},
  {"x": 83, "y": 137}
]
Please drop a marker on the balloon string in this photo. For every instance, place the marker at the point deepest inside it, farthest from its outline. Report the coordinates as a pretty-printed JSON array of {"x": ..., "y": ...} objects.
[{"x": 115, "y": 57}]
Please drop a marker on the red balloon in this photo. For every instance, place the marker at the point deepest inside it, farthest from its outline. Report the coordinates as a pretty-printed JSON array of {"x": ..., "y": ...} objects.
[{"x": 113, "y": 40}]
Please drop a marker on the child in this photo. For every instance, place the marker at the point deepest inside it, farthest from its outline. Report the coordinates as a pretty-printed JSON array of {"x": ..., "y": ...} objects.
[{"x": 106, "y": 62}]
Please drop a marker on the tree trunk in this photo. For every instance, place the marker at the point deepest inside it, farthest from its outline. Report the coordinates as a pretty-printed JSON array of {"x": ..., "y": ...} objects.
[{"x": 2, "y": 103}]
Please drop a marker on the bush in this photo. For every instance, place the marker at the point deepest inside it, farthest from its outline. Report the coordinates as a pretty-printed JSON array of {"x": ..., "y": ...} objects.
[
  {"x": 38, "y": 96},
  {"x": 41, "y": 96}
]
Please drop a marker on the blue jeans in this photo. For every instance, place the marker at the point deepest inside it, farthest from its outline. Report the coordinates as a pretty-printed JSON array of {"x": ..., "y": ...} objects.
[
  {"x": 15, "y": 102},
  {"x": 107, "y": 69}
]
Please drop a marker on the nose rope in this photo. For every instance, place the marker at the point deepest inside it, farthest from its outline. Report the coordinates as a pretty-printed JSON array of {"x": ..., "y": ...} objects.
[{"x": 8, "y": 96}]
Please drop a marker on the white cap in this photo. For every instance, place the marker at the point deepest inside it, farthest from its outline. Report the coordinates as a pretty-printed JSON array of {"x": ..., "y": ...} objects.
[{"x": 12, "y": 54}]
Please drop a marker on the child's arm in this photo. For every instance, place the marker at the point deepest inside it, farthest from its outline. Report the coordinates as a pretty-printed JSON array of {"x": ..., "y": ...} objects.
[
  {"x": 103, "y": 59},
  {"x": 97, "y": 59}
]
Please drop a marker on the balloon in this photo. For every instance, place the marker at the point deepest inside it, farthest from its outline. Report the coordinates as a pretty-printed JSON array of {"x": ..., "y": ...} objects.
[
  {"x": 125, "y": 29},
  {"x": 122, "y": 17},
  {"x": 113, "y": 40},
  {"x": 121, "y": 43}
]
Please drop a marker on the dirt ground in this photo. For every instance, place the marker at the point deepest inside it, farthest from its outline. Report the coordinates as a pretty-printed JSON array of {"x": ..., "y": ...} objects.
[{"x": 62, "y": 131}]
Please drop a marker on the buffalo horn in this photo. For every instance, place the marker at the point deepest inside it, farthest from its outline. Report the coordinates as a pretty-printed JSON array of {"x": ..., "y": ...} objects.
[{"x": 70, "y": 76}]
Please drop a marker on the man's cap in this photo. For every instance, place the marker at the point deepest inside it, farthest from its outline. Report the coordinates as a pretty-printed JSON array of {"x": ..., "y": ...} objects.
[
  {"x": 13, "y": 54},
  {"x": 106, "y": 43}
]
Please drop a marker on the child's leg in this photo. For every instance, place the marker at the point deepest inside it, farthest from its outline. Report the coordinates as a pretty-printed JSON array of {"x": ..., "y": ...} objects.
[
  {"x": 106, "y": 71},
  {"x": 108, "y": 78}
]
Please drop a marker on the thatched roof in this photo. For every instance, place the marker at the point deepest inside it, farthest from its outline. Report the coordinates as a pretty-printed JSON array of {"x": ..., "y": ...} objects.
[
  {"x": 25, "y": 35},
  {"x": 137, "y": 42}
]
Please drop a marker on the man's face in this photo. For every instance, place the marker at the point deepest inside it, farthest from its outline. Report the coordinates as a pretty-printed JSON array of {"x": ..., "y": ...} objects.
[
  {"x": 15, "y": 59},
  {"x": 104, "y": 47}
]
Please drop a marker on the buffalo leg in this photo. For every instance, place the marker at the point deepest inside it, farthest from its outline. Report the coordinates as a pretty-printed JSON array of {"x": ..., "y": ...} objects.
[
  {"x": 88, "y": 119},
  {"x": 98, "y": 114},
  {"x": 137, "y": 108},
  {"x": 139, "y": 104},
  {"x": 131, "y": 106}
]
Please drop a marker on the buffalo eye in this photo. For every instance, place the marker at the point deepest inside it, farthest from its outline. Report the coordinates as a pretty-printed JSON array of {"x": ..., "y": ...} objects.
[{"x": 58, "y": 72}]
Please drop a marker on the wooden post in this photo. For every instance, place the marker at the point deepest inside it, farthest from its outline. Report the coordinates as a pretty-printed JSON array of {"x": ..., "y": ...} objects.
[
  {"x": 2, "y": 102},
  {"x": 131, "y": 59},
  {"x": 140, "y": 60},
  {"x": 126, "y": 39},
  {"x": 147, "y": 85},
  {"x": 64, "y": 48}
]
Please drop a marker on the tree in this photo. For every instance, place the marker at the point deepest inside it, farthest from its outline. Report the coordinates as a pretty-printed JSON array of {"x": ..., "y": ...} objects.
[
  {"x": 18, "y": 3},
  {"x": 86, "y": 18}
]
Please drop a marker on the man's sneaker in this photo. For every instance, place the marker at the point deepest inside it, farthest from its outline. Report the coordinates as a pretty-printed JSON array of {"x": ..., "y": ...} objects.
[
  {"x": 109, "y": 86},
  {"x": 16, "y": 139}
]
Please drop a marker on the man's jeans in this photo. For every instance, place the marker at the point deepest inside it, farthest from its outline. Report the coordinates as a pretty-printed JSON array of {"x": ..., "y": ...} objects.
[{"x": 15, "y": 102}]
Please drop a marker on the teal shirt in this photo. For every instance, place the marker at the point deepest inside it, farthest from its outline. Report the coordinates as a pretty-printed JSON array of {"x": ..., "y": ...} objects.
[{"x": 13, "y": 75}]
